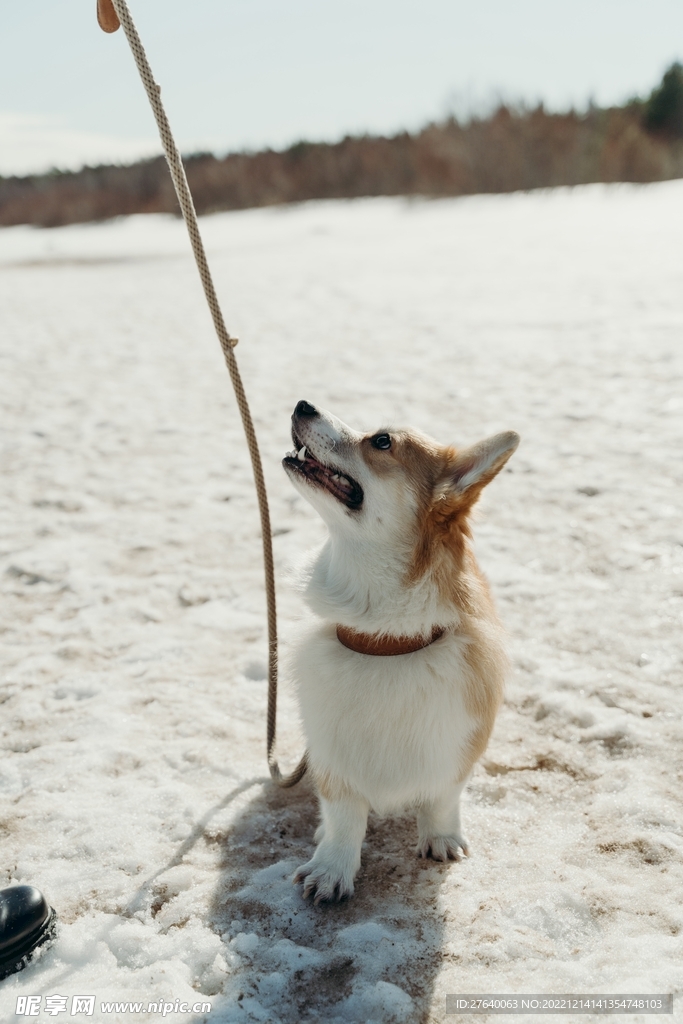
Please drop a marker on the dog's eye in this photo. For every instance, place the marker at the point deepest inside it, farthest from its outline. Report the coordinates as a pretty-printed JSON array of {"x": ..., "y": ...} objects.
[{"x": 382, "y": 441}]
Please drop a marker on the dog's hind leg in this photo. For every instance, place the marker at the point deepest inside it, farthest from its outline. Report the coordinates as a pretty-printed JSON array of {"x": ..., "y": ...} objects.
[
  {"x": 330, "y": 873},
  {"x": 439, "y": 834}
]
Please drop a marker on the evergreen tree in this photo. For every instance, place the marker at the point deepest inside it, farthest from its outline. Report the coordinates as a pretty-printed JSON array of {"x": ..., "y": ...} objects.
[{"x": 664, "y": 108}]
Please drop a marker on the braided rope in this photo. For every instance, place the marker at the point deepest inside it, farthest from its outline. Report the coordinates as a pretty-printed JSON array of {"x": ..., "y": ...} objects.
[{"x": 228, "y": 343}]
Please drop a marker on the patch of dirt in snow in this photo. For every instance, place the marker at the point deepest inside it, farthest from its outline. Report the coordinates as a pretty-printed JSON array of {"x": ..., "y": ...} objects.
[
  {"x": 320, "y": 954},
  {"x": 132, "y": 628}
]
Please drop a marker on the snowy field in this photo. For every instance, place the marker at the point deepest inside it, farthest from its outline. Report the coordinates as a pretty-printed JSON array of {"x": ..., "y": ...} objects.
[{"x": 133, "y": 778}]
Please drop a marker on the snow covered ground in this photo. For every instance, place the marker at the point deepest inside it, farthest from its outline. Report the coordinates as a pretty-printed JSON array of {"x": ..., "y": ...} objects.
[{"x": 133, "y": 685}]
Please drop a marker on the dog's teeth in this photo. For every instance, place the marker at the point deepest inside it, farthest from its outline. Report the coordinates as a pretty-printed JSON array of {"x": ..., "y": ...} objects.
[
  {"x": 335, "y": 476},
  {"x": 302, "y": 454}
]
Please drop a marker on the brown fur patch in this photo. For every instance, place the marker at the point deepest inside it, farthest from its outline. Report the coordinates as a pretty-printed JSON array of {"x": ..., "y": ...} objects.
[
  {"x": 486, "y": 658},
  {"x": 418, "y": 457},
  {"x": 443, "y": 531},
  {"x": 442, "y": 548}
]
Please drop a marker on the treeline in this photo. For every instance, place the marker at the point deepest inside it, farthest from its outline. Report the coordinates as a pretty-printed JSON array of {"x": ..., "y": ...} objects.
[{"x": 508, "y": 151}]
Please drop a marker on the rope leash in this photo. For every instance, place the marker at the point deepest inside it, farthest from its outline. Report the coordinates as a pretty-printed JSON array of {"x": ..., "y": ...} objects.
[{"x": 109, "y": 14}]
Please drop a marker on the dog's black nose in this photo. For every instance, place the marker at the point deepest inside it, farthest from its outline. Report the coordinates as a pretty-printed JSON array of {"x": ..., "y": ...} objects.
[{"x": 304, "y": 408}]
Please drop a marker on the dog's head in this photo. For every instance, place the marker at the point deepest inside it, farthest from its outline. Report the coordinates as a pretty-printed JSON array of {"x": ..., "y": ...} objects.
[{"x": 391, "y": 485}]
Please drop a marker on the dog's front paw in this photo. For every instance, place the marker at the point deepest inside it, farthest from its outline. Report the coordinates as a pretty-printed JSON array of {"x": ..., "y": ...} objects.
[
  {"x": 325, "y": 880},
  {"x": 443, "y": 847}
]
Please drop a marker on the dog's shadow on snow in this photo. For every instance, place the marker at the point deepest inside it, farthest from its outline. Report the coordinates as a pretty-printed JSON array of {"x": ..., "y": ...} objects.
[{"x": 374, "y": 956}]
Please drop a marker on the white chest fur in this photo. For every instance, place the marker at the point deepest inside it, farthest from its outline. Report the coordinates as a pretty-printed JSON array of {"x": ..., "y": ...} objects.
[{"x": 396, "y": 729}]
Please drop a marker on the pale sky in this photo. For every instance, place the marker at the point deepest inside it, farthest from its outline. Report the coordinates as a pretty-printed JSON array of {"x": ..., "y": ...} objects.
[{"x": 251, "y": 73}]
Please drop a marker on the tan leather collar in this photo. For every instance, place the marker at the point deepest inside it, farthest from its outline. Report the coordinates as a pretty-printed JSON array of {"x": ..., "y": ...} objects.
[{"x": 386, "y": 646}]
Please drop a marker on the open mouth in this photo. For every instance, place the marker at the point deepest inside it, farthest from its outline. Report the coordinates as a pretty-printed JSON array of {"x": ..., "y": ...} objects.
[{"x": 341, "y": 486}]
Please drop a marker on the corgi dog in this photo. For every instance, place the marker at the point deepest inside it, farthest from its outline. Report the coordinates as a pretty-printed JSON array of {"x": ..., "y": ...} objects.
[{"x": 399, "y": 684}]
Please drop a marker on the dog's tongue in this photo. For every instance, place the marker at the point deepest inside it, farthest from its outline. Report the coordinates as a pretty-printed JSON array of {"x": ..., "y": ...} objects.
[{"x": 334, "y": 481}]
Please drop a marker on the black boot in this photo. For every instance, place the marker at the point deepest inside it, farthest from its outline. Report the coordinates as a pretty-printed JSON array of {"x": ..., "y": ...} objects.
[{"x": 26, "y": 922}]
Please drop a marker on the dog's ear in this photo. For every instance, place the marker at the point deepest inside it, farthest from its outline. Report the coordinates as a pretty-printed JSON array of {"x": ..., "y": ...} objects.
[{"x": 475, "y": 467}]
